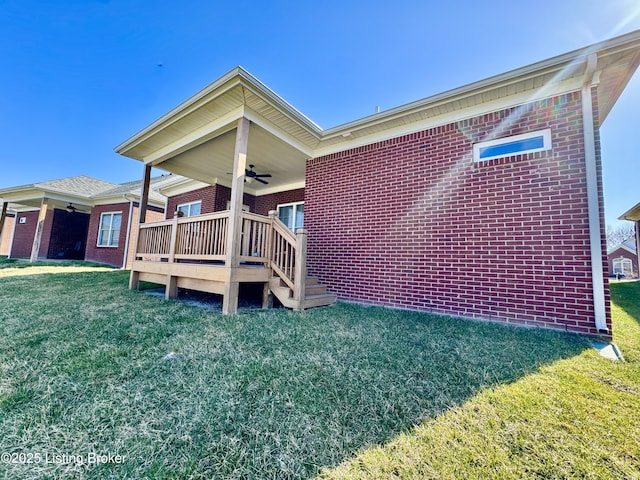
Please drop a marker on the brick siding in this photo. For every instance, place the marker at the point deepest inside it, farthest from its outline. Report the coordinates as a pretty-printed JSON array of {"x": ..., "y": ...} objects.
[
  {"x": 412, "y": 222},
  {"x": 214, "y": 198},
  {"x": 23, "y": 235},
  {"x": 264, "y": 203}
]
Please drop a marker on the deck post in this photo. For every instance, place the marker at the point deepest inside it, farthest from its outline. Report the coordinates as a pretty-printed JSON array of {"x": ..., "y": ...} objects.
[
  {"x": 35, "y": 248},
  {"x": 234, "y": 231},
  {"x": 171, "y": 290},
  {"x": 300, "y": 268},
  {"x": 134, "y": 278},
  {"x": 3, "y": 216}
]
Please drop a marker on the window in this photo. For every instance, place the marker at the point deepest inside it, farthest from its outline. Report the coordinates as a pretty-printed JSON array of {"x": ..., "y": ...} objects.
[
  {"x": 292, "y": 215},
  {"x": 109, "y": 229},
  {"x": 514, "y": 145},
  {"x": 622, "y": 266},
  {"x": 190, "y": 209}
]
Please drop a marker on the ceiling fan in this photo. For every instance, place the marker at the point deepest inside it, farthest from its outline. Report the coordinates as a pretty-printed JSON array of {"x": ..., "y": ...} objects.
[
  {"x": 71, "y": 208},
  {"x": 250, "y": 176}
]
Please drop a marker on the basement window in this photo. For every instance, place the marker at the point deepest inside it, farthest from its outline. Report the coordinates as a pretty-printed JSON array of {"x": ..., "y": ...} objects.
[{"x": 510, "y": 146}]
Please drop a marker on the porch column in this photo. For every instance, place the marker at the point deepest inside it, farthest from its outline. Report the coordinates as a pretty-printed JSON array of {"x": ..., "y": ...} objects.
[
  {"x": 3, "y": 216},
  {"x": 144, "y": 194},
  {"x": 35, "y": 248},
  {"x": 234, "y": 232},
  {"x": 134, "y": 278}
]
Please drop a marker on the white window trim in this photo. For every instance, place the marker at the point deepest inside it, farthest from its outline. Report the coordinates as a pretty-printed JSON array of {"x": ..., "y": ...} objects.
[
  {"x": 546, "y": 141},
  {"x": 189, "y": 204},
  {"x": 291, "y": 204},
  {"x": 620, "y": 264},
  {"x": 98, "y": 244}
]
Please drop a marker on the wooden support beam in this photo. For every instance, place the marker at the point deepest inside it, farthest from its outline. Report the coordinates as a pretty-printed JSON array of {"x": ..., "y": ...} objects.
[
  {"x": 144, "y": 194},
  {"x": 134, "y": 278},
  {"x": 35, "y": 248},
  {"x": 234, "y": 232},
  {"x": 300, "y": 276},
  {"x": 171, "y": 289},
  {"x": 3, "y": 216}
]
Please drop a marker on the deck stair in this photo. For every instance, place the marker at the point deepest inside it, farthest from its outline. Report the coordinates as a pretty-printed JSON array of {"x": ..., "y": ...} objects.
[{"x": 315, "y": 294}]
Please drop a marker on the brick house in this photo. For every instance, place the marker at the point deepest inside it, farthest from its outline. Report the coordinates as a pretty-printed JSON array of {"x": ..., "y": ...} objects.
[
  {"x": 482, "y": 202},
  {"x": 75, "y": 218},
  {"x": 623, "y": 260},
  {"x": 633, "y": 215}
]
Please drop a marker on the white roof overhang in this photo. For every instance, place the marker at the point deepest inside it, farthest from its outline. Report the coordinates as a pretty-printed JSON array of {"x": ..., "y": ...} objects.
[{"x": 197, "y": 138}]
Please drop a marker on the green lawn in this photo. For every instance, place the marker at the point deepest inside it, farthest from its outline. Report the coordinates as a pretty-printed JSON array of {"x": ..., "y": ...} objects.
[{"x": 339, "y": 392}]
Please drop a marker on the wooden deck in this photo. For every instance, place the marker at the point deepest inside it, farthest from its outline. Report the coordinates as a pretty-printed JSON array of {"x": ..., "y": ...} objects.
[{"x": 193, "y": 253}]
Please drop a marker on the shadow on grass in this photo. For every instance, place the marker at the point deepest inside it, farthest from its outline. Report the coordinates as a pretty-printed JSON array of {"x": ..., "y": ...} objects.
[{"x": 259, "y": 394}]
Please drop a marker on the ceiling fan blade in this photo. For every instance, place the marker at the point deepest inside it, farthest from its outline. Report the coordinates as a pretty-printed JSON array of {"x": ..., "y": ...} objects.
[
  {"x": 263, "y": 175},
  {"x": 262, "y": 181}
]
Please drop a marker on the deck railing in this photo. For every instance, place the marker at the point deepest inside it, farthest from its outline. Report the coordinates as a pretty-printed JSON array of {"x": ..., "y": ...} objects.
[{"x": 203, "y": 238}]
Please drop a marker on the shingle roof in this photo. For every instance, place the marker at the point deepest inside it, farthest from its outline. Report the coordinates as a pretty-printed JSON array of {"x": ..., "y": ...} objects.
[
  {"x": 133, "y": 188},
  {"x": 81, "y": 185}
]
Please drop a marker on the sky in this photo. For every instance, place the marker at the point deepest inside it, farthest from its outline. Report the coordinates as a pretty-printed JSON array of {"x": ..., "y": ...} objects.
[{"x": 78, "y": 77}]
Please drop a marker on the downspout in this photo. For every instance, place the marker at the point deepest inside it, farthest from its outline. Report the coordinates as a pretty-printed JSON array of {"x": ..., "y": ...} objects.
[
  {"x": 126, "y": 242},
  {"x": 595, "y": 239}
]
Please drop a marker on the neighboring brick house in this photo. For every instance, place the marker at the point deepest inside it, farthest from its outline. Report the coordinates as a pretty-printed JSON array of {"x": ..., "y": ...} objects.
[
  {"x": 76, "y": 218},
  {"x": 633, "y": 215},
  {"x": 483, "y": 202},
  {"x": 623, "y": 260}
]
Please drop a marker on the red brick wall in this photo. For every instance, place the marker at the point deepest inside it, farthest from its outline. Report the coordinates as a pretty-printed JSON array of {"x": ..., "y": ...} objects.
[
  {"x": 214, "y": 198},
  {"x": 23, "y": 236},
  {"x": 6, "y": 234},
  {"x": 108, "y": 255},
  {"x": 264, "y": 203},
  {"x": 412, "y": 222},
  {"x": 115, "y": 255},
  {"x": 206, "y": 195}
]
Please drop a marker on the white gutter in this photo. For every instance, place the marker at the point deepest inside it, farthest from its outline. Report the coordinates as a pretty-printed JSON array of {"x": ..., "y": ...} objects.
[
  {"x": 126, "y": 242},
  {"x": 595, "y": 238}
]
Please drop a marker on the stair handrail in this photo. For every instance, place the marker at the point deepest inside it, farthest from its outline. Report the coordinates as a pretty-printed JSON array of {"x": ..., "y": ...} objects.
[{"x": 294, "y": 272}]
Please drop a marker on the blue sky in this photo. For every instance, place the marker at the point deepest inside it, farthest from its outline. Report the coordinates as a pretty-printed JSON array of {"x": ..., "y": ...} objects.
[{"x": 79, "y": 77}]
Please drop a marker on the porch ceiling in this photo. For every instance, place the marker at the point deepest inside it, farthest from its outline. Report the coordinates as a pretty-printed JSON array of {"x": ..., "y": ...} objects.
[{"x": 212, "y": 161}]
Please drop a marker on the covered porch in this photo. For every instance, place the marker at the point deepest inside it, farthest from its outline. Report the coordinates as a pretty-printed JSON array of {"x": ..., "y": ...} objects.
[{"x": 215, "y": 137}]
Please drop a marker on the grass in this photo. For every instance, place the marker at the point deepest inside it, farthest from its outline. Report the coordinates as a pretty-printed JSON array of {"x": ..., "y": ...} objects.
[{"x": 340, "y": 392}]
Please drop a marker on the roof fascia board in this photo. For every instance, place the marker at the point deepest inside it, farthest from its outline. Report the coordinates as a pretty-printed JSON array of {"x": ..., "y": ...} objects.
[
  {"x": 259, "y": 120},
  {"x": 188, "y": 185},
  {"x": 623, "y": 247},
  {"x": 126, "y": 198},
  {"x": 276, "y": 101},
  {"x": 224, "y": 83},
  {"x": 202, "y": 135},
  {"x": 233, "y": 78},
  {"x": 632, "y": 215},
  {"x": 522, "y": 98},
  {"x": 575, "y": 58}
]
